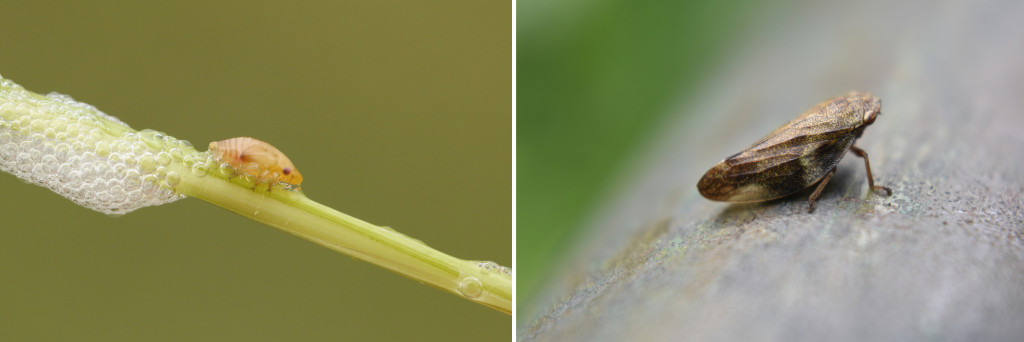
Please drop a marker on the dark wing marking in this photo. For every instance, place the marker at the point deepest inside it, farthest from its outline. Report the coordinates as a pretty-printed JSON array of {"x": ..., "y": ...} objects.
[
  {"x": 770, "y": 163},
  {"x": 775, "y": 173},
  {"x": 818, "y": 163}
]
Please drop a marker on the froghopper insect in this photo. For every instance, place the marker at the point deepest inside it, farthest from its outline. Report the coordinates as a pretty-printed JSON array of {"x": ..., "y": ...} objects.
[
  {"x": 256, "y": 158},
  {"x": 799, "y": 154}
]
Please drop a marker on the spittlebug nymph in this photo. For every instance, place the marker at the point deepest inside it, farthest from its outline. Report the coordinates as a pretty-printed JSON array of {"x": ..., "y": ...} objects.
[
  {"x": 253, "y": 157},
  {"x": 796, "y": 156}
]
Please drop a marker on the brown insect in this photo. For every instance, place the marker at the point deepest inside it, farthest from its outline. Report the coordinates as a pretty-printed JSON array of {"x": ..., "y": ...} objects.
[
  {"x": 796, "y": 156},
  {"x": 253, "y": 157}
]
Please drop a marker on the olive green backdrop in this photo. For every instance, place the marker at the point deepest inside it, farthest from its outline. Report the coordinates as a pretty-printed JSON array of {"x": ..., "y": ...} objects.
[{"x": 399, "y": 113}]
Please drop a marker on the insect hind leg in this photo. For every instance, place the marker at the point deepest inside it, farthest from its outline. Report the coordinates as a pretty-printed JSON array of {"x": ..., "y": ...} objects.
[
  {"x": 867, "y": 165},
  {"x": 817, "y": 191}
]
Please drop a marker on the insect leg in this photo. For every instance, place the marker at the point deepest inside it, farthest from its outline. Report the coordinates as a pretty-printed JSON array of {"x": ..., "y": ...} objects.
[
  {"x": 817, "y": 192},
  {"x": 867, "y": 165}
]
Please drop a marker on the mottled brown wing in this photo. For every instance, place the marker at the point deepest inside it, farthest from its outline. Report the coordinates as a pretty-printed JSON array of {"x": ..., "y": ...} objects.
[
  {"x": 814, "y": 125},
  {"x": 786, "y": 161}
]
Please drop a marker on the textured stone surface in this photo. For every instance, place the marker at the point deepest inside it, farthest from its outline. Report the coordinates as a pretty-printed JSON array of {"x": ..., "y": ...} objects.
[{"x": 942, "y": 259}]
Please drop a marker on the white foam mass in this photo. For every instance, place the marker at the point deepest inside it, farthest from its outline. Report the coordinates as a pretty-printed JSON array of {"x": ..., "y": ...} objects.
[{"x": 83, "y": 154}]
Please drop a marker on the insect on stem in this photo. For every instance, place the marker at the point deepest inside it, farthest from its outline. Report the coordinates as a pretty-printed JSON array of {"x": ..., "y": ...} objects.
[{"x": 257, "y": 159}]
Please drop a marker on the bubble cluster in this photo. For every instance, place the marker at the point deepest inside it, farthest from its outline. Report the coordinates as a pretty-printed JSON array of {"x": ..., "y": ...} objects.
[
  {"x": 490, "y": 266},
  {"x": 83, "y": 154}
]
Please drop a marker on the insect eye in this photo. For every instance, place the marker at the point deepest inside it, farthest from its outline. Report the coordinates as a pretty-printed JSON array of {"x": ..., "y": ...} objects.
[
  {"x": 287, "y": 171},
  {"x": 869, "y": 117}
]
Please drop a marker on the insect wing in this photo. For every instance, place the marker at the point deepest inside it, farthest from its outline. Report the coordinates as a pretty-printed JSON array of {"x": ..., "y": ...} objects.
[
  {"x": 788, "y": 160},
  {"x": 808, "y": 128}
]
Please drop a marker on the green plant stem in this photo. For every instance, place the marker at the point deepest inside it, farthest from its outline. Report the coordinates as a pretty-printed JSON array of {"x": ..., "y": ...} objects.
[
  {"x": 46, "y": 125},
  {"x": 293, "y": 212}
]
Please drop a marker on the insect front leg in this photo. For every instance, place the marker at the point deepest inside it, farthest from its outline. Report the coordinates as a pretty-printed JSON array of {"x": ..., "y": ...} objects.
[
  {"x": 867, "y": 165},
  {"x": 817, "y": 192}
]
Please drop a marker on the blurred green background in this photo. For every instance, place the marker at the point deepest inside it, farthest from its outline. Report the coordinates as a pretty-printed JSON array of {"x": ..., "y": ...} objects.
[
  {"x": 396, "y": 113},
  {"x": 593, "y": 79}
]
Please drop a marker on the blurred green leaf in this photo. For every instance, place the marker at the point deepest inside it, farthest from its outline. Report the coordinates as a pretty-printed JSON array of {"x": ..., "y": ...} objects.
[{"x": 592, "y": 79}]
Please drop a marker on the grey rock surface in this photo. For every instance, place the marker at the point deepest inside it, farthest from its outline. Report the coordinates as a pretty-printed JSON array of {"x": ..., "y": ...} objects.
[{"x": 941, "y": 259}]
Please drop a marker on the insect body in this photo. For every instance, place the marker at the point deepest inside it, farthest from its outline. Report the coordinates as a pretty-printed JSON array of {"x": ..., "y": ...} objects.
[
  {"x": 256, "y": 158},
  {"x": 799, "y": 154}
]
